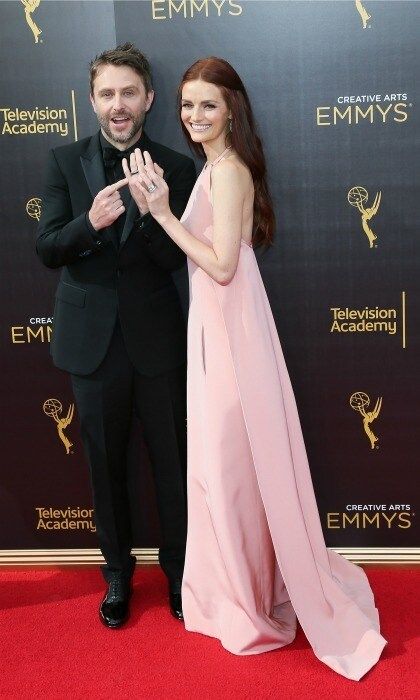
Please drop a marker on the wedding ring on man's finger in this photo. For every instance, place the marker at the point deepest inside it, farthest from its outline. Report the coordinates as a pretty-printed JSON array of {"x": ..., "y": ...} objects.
[
  {"x": 152, "y": 188},
  {"x": 134, "y": 172}
]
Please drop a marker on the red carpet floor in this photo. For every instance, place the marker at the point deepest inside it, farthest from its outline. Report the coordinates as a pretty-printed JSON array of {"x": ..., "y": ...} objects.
[{"x": 53, "y": 645}]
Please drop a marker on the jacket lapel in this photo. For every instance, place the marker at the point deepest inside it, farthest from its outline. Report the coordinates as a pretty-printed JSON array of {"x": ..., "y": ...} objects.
[{"x": 93, "y": 168}]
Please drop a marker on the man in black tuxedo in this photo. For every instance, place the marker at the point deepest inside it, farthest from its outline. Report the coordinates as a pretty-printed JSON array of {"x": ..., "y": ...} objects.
[{"x": 118, "y": 325}]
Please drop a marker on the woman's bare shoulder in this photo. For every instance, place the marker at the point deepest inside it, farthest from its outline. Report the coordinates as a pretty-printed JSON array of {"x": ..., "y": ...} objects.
[{"x": 232, "y": 169}]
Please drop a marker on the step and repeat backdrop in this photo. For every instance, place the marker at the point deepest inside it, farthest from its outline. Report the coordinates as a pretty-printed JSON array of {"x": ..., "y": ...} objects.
[{"x": 334, "y": 89}]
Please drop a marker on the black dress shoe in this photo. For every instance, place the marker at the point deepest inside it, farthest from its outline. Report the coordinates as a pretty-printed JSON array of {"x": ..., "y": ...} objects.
[
  {"x": 175, "y": 599},
  {"x": 115, "y": 608}
]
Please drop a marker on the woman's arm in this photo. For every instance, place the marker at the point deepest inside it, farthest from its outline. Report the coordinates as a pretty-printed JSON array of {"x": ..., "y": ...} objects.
[
  {"x": 155, "y": 242},
  {"x": 228, "y": 193}
]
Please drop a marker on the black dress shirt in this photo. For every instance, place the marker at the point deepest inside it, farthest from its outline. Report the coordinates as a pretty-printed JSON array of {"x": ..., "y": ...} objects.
[{"x": 114, "y": 172}]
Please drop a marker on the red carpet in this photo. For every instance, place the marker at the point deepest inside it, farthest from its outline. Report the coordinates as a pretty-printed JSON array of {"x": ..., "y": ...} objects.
[{"x": 53, "y": 645}]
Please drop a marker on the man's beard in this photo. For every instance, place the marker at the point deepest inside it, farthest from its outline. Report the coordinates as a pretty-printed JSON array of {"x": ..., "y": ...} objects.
[{"x": 137, "y": 123}]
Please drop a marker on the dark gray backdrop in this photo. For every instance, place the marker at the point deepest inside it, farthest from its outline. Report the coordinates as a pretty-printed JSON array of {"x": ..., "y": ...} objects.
[{"x": 294, "y": 57}]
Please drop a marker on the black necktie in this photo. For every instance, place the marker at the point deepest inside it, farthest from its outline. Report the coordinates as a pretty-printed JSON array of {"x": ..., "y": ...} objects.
[{"x": 112, "y": 158}]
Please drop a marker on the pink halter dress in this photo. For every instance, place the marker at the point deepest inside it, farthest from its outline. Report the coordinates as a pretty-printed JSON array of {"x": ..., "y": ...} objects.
[{"x": 256, "y": 558}]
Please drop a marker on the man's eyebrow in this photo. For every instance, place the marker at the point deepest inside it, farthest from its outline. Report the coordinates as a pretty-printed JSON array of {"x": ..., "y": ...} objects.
[{"x": 126, "y": 87}]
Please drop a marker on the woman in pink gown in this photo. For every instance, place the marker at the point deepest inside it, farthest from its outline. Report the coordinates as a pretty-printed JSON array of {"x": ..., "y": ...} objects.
[{"x": 256, "y": 558}]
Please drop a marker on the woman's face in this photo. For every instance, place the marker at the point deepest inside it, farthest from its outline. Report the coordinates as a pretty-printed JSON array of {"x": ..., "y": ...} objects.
[{"x": 204, "y": 113}]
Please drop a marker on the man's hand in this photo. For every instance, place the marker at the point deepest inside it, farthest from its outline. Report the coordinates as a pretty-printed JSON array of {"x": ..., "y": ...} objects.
[
  {"x": 136, "y": 164},
  {"x": 107, "y": 206}
]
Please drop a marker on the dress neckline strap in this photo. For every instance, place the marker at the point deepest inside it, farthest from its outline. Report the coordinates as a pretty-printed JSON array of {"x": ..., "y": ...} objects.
[{"x": 222, "y": 155}]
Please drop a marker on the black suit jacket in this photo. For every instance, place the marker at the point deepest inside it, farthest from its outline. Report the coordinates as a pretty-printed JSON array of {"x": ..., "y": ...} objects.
[{"x": 101, "y": 278}]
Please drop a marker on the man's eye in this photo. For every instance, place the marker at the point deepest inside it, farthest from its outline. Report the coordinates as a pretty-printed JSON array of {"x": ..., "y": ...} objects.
[{"x": 129, "y": 93}]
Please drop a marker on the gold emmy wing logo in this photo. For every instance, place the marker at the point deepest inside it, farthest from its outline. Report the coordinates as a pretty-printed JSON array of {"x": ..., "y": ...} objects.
[
  {"x": 33, "y": 208},
  {"x": 54, "y": 408},
  {"x": 30, "y": 7},
  {"x": 359, "y": 401},
  {"x": 364, "y": 14},
  {"x": 358, "y": 197}
]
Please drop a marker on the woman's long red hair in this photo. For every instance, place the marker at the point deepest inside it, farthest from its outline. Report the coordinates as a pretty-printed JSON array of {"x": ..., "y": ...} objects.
[{"x": 243, "y": 138}]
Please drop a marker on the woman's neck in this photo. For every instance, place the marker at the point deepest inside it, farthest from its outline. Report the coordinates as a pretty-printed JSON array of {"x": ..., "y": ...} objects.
[{"x": 212, "y": 152}]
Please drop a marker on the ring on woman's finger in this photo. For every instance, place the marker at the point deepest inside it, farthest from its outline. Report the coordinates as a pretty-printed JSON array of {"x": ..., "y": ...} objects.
[
  {"x": 152, "y": 188},
  {"x": 134, "y": 172}
]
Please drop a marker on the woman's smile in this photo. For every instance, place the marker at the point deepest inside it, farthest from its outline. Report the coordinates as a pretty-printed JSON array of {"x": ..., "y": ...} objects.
[{"x": 199, "y": 127}]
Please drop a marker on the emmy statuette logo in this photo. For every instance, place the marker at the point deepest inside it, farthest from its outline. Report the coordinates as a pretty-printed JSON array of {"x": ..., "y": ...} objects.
[
  {"x": 33, "y": 208},
  {"x": 30, "y": 7},
  {"x": 358, "y": 197},
  {"x": 54, "y": 408},
  {"x": 359, "y": 401},
  {"x": 364, "y": 14}
]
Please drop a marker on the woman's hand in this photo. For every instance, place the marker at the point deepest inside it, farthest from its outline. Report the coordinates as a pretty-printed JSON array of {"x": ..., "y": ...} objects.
[{"x": 147, "y": 186}]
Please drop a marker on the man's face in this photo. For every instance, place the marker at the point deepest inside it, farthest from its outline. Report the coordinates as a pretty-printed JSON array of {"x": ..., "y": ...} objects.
[{"x": 120, "y": 102}]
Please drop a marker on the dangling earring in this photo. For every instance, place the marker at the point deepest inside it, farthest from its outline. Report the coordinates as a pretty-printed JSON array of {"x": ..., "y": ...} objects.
[{"x": 230, "y": 125}]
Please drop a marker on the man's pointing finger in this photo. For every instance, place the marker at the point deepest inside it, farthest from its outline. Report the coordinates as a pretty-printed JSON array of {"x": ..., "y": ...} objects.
[{"x": 117, "y": 185}]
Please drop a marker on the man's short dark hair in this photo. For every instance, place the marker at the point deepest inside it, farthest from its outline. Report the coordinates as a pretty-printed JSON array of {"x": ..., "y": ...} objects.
[{"x": 123, "y": 55}]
